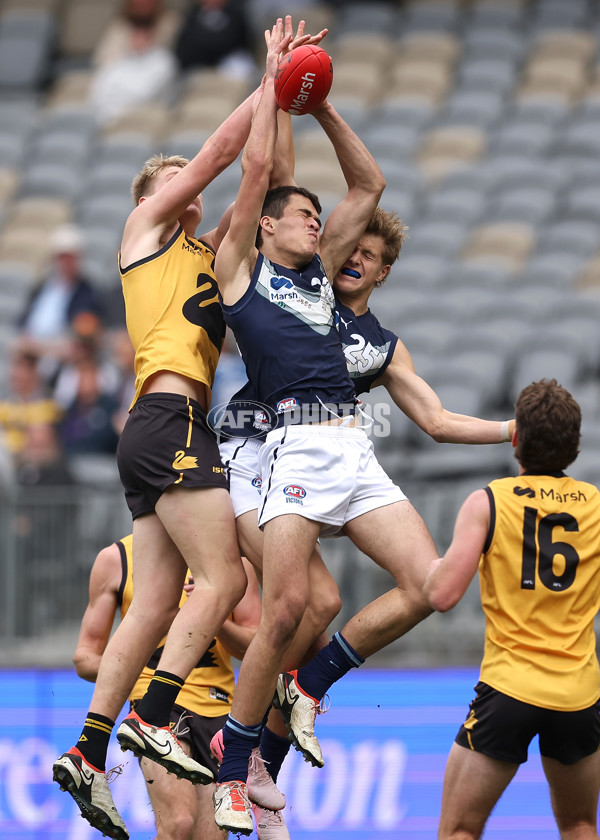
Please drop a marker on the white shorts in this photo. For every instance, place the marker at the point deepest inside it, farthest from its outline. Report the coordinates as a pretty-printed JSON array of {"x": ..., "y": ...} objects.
[
  {"x": 325, "y": 473},
  {"x": 240, "y": 458}
]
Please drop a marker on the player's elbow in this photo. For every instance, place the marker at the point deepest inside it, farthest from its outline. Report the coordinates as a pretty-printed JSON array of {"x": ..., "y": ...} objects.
[
  {"x": 378, "y": 185},
  {"x": 439, "y": 598},
  {"x": 440, "y": 602},
  {"x": 85, "y": 668}
]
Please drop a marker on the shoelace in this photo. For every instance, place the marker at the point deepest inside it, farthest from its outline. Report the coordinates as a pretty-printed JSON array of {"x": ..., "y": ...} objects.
[
  {"x": 322, "y": 706},
  {"x": 176, "y": 729},
  {"x": 114, "y": 773},
  {"x": 238, "y": 797},
  {"x": 258, "y": 764}
]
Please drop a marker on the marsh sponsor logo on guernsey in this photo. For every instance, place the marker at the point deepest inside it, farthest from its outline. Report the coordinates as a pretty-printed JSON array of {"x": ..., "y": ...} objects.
[
  {"x": 281, "y": 289},
  {"x": 294, "y": 493}
]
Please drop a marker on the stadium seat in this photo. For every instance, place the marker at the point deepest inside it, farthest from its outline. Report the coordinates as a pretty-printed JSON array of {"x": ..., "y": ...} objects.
[
  {"x": 429, "y": 45},
  {"x": 490, "y": 42},
  {"x": 39, "y": 212},
  {"x": 374, "y": 17},
  {"x": 81, "y": 25},
  {"x": 26, "y": 41},
  {"x": 507, "y": 243},
  {"x": 463, "y": 206},
  {"x": 473, "y": 107},
  {"x": 494, "y": 76},
  {"x": 545, "y": 363},
  {"x": 522, "y": 138},
  {"x": 52, "y": 179},
  {"x": 580, "y": 238},
  {"x": 532, "y": 205},
  {"x": 131, "y": 148},
  {"x": 432, "y": 15},
  {"x": 551, "y": 268},
  {"x": 443, "y": 238},
  {"x": 418, "y": 270}
]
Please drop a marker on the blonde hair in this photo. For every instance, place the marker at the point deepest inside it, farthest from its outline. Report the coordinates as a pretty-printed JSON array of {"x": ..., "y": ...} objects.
[
  {"x": 391, "y": 229},
  {"x": 144, "y": 180}
]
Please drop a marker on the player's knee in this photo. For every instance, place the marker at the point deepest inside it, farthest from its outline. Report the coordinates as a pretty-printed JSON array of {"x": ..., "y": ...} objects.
[
  {"x": 285, "y": 618},
  {"x": 181, "y": 826},
  {"x": 236, "y": 586},
  {"x": 325, "y": 607}
]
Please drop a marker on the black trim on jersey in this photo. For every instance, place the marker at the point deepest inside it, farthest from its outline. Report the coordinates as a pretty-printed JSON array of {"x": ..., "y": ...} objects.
[
  {"x": 151, "y": 256},
  {"x": 490, "y": 533},
  {"x": 275, "y": 453},
  {"x": 210, "y": 248},
  {"x": 123, "y": 554},
  {"x": 227, "y": 463},
  {"x": 557, "y": 474}
]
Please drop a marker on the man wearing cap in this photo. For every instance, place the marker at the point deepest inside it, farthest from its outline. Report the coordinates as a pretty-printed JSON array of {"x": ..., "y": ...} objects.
[{"x": 64, "y": 299}]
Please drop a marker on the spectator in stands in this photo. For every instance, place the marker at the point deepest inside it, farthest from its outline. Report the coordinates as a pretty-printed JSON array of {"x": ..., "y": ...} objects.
[
  {"x": 215, "y": 34},
  {"x": 64, "y": 300},
  {"x": 42, "y": 460},
  {"x": 144, "y": 72},
  {"x": 122, "y": 356},
  {"x": 25, "y": 402},
  {"x": 158, "y": 26},
  {"x": 87, "y": 425}
]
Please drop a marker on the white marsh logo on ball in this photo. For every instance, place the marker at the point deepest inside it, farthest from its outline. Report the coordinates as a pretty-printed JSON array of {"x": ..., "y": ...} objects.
[{"x": 303, "y": 79}]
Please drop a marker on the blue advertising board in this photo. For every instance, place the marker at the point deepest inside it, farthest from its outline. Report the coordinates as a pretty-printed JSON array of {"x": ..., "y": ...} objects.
[{"x": 385, "y": 740}]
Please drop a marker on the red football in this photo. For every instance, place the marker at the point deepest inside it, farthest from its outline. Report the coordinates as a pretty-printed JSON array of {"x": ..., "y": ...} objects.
[{"x": 303, "y": 79}]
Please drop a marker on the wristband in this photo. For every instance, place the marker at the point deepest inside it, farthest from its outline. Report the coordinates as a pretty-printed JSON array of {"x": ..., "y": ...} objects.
[{"x": 505, "y": 434}]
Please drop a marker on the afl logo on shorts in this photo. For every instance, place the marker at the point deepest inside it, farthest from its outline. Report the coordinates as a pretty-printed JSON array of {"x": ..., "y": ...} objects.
[
  {"x": 257, "y": 482},
  {"x": 294, "y": 493}
]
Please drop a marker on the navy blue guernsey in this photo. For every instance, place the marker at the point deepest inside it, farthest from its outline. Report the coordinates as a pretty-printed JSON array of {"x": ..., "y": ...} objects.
[
  {"x": 284, "y": 325},
  {"x": 368, "y": 348}
]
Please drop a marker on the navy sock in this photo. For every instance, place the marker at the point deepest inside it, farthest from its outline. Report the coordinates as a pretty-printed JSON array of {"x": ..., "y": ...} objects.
[
  {"x": 94, "y": 738},
  {"x": 239, "y": 741},
  {"x": 273, "y": 749},
  {"x": 329, "y": 665},
  {"x": 156, "y": 704}
]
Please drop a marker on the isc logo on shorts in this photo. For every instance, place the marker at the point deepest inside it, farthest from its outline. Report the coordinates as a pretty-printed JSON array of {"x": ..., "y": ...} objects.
[{"x": 294, "y": 493}]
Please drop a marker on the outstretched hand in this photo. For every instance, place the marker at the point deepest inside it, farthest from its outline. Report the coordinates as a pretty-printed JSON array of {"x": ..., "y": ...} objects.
[
  {"x": 277, "y": 43},
  {"x": 300, "y": 38}
]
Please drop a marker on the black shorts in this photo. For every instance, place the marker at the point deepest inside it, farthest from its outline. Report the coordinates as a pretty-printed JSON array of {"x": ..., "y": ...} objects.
[
  {"x": 502, "y": 728},
  {"x": 200, "y": 732},
  {"x": 166, "y": 441}
]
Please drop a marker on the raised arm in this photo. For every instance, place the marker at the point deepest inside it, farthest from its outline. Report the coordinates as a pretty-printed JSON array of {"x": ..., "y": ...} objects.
[
  {"x": 420, "y": 402},
  {"x": 282, "y": 172},
  {"x": 97, "y": 622},
  {"x": 450, "y": 576},
  {"x": 237, "y": 254},
  {"x": 365, "y": 181}
]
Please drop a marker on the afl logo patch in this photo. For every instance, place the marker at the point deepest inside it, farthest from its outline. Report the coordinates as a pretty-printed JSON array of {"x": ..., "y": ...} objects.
[
  {"x": 257, "y": 482},
  {"x": 286, "y": 405},
  {"x": 294, "y": 493}
]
